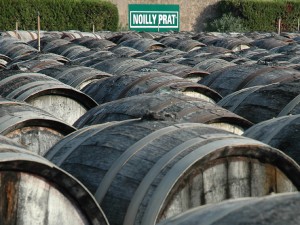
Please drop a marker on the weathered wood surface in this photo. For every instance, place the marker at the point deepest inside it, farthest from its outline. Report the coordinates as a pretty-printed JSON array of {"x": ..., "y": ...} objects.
[
  {"x": 75, "y": 76},
  {"x": 118, "y": 66},
  {"x": 94, "y": 43},
  {"x": 176, "y": 69},
  {"x": 124, "y": 51},
  {"x": 262, "y": 103},
  {"x": 34, "y": 191},
  {"x": 135, "y": 83},
  {"x": 269, "y": 43},
  {"x": 47, "y": 93},
  {"x": 281, "y": 133},
  {"x": 183, "y": 44},
  {"x": 163, "y": 54},
  {"x": 142, "y": 44},
  {"x": 68, "y": 50},
  {"x": 213, "y": 65},
  {"x": 93, "y": 57},
  {"x": 231, "y": 79},
  {"x": 36, "y": 61},
  {"x": 275, "y": 209},
  {"x": 32, "y": 127},
  {"x": 231, "y": 43},
  {"x": 143, "y": 171},
  {"x": 164, "y": 106}
]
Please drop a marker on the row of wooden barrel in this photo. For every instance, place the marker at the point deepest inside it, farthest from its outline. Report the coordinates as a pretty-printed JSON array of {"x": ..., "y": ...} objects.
[
  {"x": 140, "y": 172},
  {"x": 160, "y": 163}
]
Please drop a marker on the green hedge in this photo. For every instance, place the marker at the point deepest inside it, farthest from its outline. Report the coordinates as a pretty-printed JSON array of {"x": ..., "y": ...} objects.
[
  {"x": 263, "y": 15},
  {"x": 59, "y": 14}
]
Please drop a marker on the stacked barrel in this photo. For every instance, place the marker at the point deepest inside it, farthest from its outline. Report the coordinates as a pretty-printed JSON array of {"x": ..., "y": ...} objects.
[{"x": 146, "y": 128}]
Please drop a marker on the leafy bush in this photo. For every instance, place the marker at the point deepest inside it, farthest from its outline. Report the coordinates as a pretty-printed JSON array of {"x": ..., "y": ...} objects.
[
  {"x": 263, "y": 15},
  {"x": 59, "y": 14},
  {"x": 227, "y": 23}
]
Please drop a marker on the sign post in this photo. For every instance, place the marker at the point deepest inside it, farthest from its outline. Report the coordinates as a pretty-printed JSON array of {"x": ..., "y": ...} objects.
[{"x": 153, "y": 18}]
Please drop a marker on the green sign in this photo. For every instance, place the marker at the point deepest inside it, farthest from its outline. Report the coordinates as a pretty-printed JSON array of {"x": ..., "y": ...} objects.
[{"x": 155, "y": 18}]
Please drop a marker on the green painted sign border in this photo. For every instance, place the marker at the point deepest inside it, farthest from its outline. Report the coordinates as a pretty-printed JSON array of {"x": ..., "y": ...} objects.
[{"x": 148, "y": 10}]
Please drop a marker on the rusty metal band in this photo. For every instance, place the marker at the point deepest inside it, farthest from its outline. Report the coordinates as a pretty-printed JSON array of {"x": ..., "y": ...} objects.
[
  {"x": 176, "y": 172},
  {"x": 129, "y": 153},
  {"x": 290, "y": 106}
]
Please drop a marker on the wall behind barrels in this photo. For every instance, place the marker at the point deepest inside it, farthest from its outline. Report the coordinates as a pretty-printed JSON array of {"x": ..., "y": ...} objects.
[{"x": 189, "y": 11}]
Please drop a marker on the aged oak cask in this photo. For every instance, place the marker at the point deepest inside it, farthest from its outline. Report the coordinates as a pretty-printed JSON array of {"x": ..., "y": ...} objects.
[
  {"x": 32, "y": 127},
  {"x": 281, "y": 133},
  {"x": 275, "y": 209},
  {"x": 35, "y": 191},
  {"x": 144, "y": 171},
  {"x": 135, "y": 83},
  {"x": 47, "y": 93},
  {"x": 165, "y": 106}
]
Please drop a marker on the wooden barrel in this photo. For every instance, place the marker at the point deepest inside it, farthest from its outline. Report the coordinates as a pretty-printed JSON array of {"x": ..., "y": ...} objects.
[
  {"x": 47, "y": 93},
  {"x": 274, "y": 209},
  {"x": 120, "y": 66},
  {"x": 193, "y": 61},
  {"x": 13, "y": 48},
  {"x": 124, "y": 51},
  {"x": 279, "y": 59},
  {"x": 206, "y": 49},
  {"x": 43, "y": 41},
  {"x": 164, "y": 54},
  {"x": 260, "y": 103},
  {"x": 21, "y": 34},
  {"x": 75, "y": 76},
  {"x": 235, "y": 78},
  {"x": 281, "y": 133},
  {"x": 185, "y": 45},
  {"x": 54, "y": 43},
  {"x": 143, "y": 171},
  {"x": 69, "y": 50},
  {"x": 34, "y": 62},
  {"x": 165, "y": 106},
  {"x": 231, "y": 43},
  {"x": 142, "y": 44},
  {"x": 135, "y": 83},
  {"x": 31, "y": 126},
  {"x": 4, "y": 60},
  {"x": 91, "y": 43},
  {"x": 70, "y": 35},
  {"x": 35, "y": 191},
  {"x": 269, "y": 43},
  {"x": 213, "y": 65},
  {"x": 124, "y": 36},
  {"x": 92, "y": 57},
  {"x": 254, "y": 53},
  {"x": 176, "y": 69}
]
